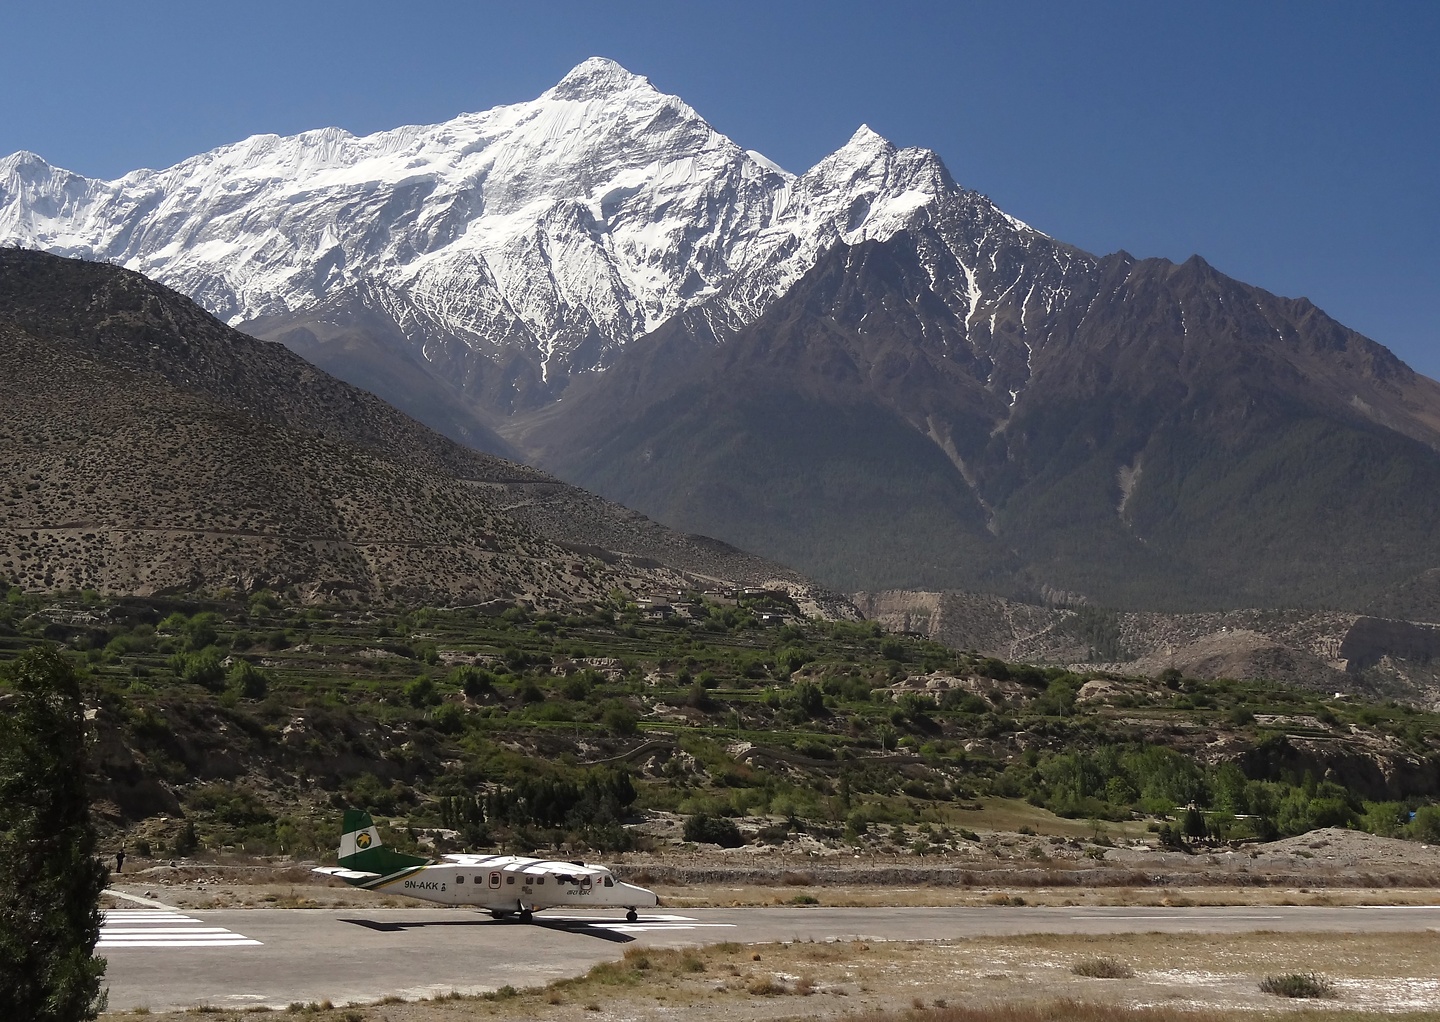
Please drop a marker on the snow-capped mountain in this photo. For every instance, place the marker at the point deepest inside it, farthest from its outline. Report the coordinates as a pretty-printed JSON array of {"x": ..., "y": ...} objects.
[
  {"x": 555, "y": 230},
  {"x": 866, "y": 371}
]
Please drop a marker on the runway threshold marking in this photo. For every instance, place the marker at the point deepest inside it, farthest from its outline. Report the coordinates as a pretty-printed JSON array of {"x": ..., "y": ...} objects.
[{"x": 157, "y": 928}]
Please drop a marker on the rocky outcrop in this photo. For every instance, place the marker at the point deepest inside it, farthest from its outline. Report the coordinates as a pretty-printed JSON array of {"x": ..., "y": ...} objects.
[
  {"x": 1326, "y": 651},
  {"x": 1372, "y": 639}
]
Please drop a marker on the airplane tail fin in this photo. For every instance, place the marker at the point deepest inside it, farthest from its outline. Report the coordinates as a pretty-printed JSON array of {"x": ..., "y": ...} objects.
[{"x": 363, "y": 850}]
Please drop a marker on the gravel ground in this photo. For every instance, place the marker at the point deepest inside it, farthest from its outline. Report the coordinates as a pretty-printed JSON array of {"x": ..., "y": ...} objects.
[
  {"x": 1387, "y": 974},
  {"x": 1322, "y": 867}
]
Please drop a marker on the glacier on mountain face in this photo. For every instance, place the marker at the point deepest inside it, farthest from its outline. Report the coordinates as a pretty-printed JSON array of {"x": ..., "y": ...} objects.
[{"x": 561, "y": 228}]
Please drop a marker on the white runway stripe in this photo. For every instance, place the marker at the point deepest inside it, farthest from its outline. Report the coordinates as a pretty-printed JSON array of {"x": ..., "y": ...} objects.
[
  {"x": 144, "y": 915},
  {"x": 115, "y": 930},
  {"x": 155, "y": 928},
  {"x": 168, "y": 944}
]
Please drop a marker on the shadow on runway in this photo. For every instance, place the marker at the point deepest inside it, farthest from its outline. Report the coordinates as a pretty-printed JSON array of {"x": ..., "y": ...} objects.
[{"x": 584, "y": 927}]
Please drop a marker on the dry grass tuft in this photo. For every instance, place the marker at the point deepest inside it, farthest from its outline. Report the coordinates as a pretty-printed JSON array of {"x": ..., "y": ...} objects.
[
  {"x": 1102, "y": 968},
  {"x": 1298, "y": 984},
  {"x": 766, "y": 986}
]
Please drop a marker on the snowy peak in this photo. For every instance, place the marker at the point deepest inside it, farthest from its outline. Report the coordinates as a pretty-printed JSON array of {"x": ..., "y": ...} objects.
[
  {"x": 597, "y": 78},
  {"x": 23, "y": 163},
  {"x": 867, "y": 140},
  {"x": 542, "y": 235},
  {"x": 867, "y": 190},
  {"x": 872, "y": 155}
]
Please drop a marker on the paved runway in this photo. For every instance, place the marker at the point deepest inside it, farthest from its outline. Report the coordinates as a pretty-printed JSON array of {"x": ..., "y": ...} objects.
[{"x": 236, "y": 958}]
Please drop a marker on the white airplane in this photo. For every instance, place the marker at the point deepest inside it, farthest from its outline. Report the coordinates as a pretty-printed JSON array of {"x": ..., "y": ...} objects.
[{"x": 505, "y": 884}]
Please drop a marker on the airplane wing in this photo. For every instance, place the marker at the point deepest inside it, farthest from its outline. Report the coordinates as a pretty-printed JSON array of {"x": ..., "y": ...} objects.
[
  {"x": 567, "y": 872},
  {"x": 479, "y": 860},
  {"x": 344, "y": 874}
]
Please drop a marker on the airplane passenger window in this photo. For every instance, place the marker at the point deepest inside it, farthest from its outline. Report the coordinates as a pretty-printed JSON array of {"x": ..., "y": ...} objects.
[
  {"x": 509, "y": 880},
  {"x": 539, "y": 880},
  {"x": 459, "y": 880}
]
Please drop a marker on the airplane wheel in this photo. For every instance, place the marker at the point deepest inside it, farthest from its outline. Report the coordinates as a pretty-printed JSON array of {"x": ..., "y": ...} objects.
[
  {"x": 525, "y": 915},
  {"x": 631, "y": 915},
  {"x": 498, "y": 914}
]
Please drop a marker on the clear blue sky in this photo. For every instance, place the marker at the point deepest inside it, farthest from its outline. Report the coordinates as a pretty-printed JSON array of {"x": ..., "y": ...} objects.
[{"x": 1295, "y": 145}]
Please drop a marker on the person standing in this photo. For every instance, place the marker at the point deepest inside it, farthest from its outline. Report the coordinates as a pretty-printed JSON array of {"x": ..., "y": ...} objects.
[{"x": 120, "y": 860}]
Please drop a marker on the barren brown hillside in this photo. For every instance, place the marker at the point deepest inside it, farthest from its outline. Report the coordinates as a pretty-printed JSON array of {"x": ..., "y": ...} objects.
[{"x": 145, "y": 446}]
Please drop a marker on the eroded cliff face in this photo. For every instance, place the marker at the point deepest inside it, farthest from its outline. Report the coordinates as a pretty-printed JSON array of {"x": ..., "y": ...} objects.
[
  {"x": 1324, "y": 651},
  {"x": 1371, "y": 640},
  {"x": 1372, "y": 767}
]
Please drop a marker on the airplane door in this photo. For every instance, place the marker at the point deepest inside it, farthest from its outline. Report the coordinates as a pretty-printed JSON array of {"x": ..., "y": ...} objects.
[{"x": 495, "y": 880}]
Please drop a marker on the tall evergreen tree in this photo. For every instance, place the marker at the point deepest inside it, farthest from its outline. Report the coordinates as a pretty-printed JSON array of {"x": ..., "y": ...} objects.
[{"x": 50, "y": 877}]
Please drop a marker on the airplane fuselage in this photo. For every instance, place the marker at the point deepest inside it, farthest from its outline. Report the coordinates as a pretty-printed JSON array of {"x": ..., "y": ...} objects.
[
  {"x": 504, "y": 884},
  {"x": 515, "y": 884}
]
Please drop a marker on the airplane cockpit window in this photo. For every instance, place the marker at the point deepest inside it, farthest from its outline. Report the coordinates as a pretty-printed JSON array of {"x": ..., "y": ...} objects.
[{"x": 609, "y": 882}]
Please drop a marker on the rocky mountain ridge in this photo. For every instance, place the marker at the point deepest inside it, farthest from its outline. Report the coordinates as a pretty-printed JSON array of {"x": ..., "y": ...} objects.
[{"x": 1181, "y": 440}]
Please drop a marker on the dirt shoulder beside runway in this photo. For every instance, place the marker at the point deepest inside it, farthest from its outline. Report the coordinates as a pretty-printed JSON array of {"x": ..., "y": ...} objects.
[
  {"x": 1325, "y": 867},
  {"x": 1174, "y": 977}
]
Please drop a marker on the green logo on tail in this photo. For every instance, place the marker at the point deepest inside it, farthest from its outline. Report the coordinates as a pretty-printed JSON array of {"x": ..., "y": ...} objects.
[{"x": 363, "y": 850}]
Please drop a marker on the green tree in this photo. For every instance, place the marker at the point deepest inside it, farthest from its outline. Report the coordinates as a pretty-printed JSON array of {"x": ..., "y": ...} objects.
[
  {"x": 1194, "y": 823},
  {"x": 248, "y": 681},
  {"x": 200, "y": 630},
  {"x": 619, "y": 719},
  {"x": 807, "y": 699},
  {"x": 422, "y": 692},
  {"x": 51, "y": 884}
]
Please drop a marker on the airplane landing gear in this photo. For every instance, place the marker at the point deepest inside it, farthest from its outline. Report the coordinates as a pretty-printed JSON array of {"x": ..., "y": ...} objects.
[
  {"x": 631, "y": 915},
  {"x": 497, "y": 913},
  {"x": 525, "y": 915}
]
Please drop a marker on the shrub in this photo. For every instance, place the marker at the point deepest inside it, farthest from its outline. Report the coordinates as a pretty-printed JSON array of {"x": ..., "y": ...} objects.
[
  {"x": 449, "y": 719},
  {"x": 203, "y": 668},
  {"x": 714, "y": 830},
  {"x": 1298, "y": 984},
  {"x": 471, "y": 680},
  {"x": 1426, "y": 825}
]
